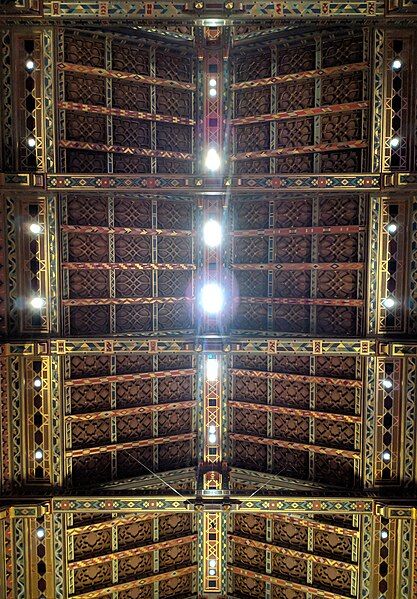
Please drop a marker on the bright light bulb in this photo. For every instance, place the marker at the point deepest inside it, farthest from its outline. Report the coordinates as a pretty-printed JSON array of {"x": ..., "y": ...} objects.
[
  {"x": 35, "y": 228},
  {"x": 29, "y": 64},
  {"x": 384, "y": 535},
  {"x": 212, "y": 233},
  {"x": 31, "y": 142},
  {"x": 396, "y": 64},
  {"x": 212, "y": 572},
  {"x": 386, "y": 456},
  {"x": 212, "y": 298},
  {"x": 212, "y": 429},
  {"x": 392, "y": 228},
  {"x": 37, "y": 303},
  {"x": 212, "y": 83},
  {"x": 212, "y": 439},
  {"x": 387, "y": 384},
  {"x": 394, "y": 142},
  {"x": 37, "y": 383},
  {"x": 212, "y": 160},
  {"x": 40, "y": 532},
  {"x": 212, "y": 563},
  {"x": 212, "y": 92},
  {"x": 388, "y": 302},
  {"x": 38, "y": 454},
  {"x": 212, "y": 369}
]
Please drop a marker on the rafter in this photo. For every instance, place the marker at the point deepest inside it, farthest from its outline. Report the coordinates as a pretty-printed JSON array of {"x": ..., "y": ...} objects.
[
  {"x": 257, "y": 407},
  {"x": 151, "y": 442},
  {"x": 114, "y": 378},
  {"x": 300, "y": 378}
]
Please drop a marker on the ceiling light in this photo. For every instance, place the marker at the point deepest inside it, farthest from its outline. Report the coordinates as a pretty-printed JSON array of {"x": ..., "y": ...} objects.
[
  {"x": 394, "y": 142},
  {"x": 212, "y": 92},
  {"x": 392, "y": 228},
  {"x": 38, "y": 454},
  {"x": 37, "y": 383},
  {"x": 387, "y": 384},
  {"x": 35, "y": 228},
  {"x": 30, "y": 65},
  {"x": 40, "y": 532},
  {"x": 212, "y": 439},
  {"x": 212, "y": 370},
  {"x": 212, "y": 160},
  {"x": 31, "y": 141},
  {"x": 212, "y": 563},
  {"x": 212, "y": 233},
  {"x": 396, "y": 64},
  {"x": 388, "y": 302},
  {"x": 212, "y": 298},
  {"x": 37, "y": 303},
  {"x": 386, "y": 456},
  {"x": 212, "y": 83},
  {"x": 212, "y": 572},
  {"x": 384, "y": 534},
  {"x": 213, "y": 22},
  {"x": 212, "y": 429}
]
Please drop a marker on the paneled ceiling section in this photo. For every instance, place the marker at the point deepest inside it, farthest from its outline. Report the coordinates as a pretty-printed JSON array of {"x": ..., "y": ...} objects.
[{"x": 126, "y": 104}]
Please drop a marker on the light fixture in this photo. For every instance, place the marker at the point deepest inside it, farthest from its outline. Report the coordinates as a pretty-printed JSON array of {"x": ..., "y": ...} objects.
[
  {"x": 396, "y": 64},
  {"x": 384, "y": 534},
  {"x": 394, "y": 142},
  {"x": 212, "y": 369},
  {"x": 388, "y": 302},
  {"x": 212, "y": 161},
  {"x": 387, "y": 384},
  {"x": 37, "y": 303},
  {"x": 38, "y": 454},
  {"x": 31, "y": 141},
  {"x": 212, "y": 298},
  {"x": 212, "y": 572},
  {"x": 212, "y": 439},
  {"x": 212, "y": 83},
  {"x": 212, "y": 429},
  {"x": 392, "y": 228},
  {"x": 35, "y": 228},
  {"x": 29, "y": 65},
  {"x": 386, "y": 456},
  {"x": 212, "y": 92},
  {"x": 37, "y": 383},
  {"x": 212, "y": 233},
  {"x": 212, "y": 563},
  {"x": 40, "y": 532}
]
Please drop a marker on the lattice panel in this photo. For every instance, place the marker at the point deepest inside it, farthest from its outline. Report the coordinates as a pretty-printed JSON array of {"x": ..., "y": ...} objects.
[
  {"x": 128, "y": 264},
  {"x": 297, "y": 416},
  {"x": 301, "y": 106},
  {"x": 298, "y": 264},
  {"x": 128, "y": 413},
  {"x": 124, "y": 106},
  {"x": 130, "y": 555},
  {"x": 296, "y": 557}
]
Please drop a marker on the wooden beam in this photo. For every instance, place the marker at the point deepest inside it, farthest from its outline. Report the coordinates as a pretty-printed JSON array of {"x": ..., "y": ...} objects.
[
  {"x": 137, "y": 583},
  {"x": 150, "y": 442},
  {"x": 123, "y": 75},
  {"x": 299, "y": 266},
  {"x": 326, "y": 527},
  {"x": 293, "y": 553},
  {"x": 300, "y": 113},
  {"x": 85, "y": 563},
  {"x": 333, "y": 451},
  {"x": 256, "y": 407},
  {"x": 132, "y": 376},
  {"x": 290, "y": 231},
  {"x": 131, "y": 151},
  {"x": 324, "y": 147},
  {"x": 123, "y": 112},
  {"x": 125, "y": 266},
  {"x": 297, "y": 378},
  {"x": 152, "y": 408},
  {"x": 139, "y": 232},
  {"x": 123, "y": 301},
  {"x": 301, "y": 76},
  {"x": 300, "y": 301},
  {"x": 287, "y": 584},
  {"x": 96, "y": 526}
]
